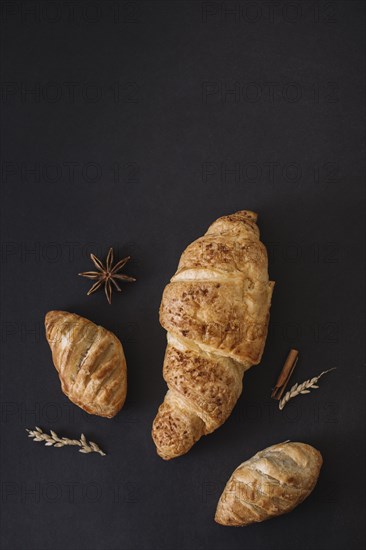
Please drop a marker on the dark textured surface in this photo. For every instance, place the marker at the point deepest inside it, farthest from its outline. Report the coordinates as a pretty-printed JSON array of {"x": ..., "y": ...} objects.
[{"x": 129, "y": 140}]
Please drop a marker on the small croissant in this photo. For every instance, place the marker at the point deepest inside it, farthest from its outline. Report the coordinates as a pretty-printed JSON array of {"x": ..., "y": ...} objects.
[
  {"x": 271, "y": 483},
  {"x": 90, "y": 363},
  {"x": 216, "y": 313}
]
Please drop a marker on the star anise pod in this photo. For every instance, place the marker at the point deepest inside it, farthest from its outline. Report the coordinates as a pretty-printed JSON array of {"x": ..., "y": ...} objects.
[{"x": 107, "y": 274}]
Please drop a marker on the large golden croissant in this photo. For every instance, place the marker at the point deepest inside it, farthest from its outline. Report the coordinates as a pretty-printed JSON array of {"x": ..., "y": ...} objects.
[
  {"x": 90, "y": 363},
  {"x": 271, "y": 483},
  {"x": 216, "y": 312}
]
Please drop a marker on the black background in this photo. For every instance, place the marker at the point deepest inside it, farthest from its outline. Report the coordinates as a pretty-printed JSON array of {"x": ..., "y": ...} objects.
[{"x": 153, "y": 130}]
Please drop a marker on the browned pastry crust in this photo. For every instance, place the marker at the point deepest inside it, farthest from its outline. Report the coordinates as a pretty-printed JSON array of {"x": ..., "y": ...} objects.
[
  {"x": 216, "y": 312},
  {"x": 90, "y": 363},
  {"x": 271, "y": 483}
]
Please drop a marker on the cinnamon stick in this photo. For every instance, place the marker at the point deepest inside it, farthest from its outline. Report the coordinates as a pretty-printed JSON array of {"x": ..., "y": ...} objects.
[{"x": 285, "y": 374}]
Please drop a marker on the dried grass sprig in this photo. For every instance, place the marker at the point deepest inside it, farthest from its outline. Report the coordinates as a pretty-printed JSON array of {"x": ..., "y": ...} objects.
[
  {"x": 303, "y": 388},
  {"x": 56, "y": 441}
]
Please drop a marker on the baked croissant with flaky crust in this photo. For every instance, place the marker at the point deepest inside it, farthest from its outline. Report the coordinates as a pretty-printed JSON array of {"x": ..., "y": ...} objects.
[
  {"x": 271, "y": 483},
  {"x": 216, "y": 312},
  {"x": 90, "y": 363}
]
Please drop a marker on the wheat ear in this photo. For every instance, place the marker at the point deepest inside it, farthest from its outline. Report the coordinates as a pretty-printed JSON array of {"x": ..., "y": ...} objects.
[
  {"x": 56, "y": 441},
  {"x": 303, "y": 388}
]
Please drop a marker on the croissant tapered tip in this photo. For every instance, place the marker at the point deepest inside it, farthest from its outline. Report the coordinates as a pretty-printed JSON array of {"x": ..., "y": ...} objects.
[
  {"x": 51, "y": 318},
  {"x": 223, "y": 519},
  {"x": 54, "y": 313},
  {"x": 175, "y": 429},
  {"x": 247, "y": 214},
  {"x": 54, "y": 320}
]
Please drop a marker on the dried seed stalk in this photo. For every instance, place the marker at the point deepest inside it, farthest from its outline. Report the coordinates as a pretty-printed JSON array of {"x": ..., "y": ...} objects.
[
  {"x": 54, "y": 440},
  {"x": 301, "y": 389}
]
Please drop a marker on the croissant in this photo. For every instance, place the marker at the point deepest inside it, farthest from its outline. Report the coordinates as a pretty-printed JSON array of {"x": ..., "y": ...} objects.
[
  {"x": 216, "y": 312},
  {"x": 90, "y": 363},
  {"x": 271, "y": 483}
]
